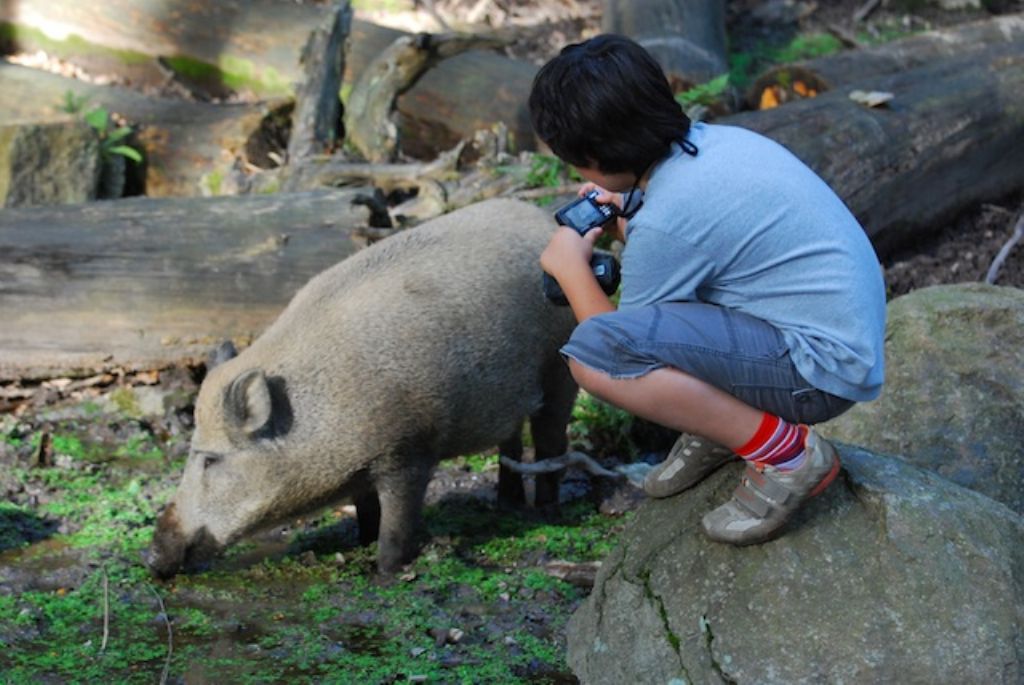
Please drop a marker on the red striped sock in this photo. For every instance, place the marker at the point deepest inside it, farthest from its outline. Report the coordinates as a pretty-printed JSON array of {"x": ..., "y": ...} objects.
[{"x": 776, "y": 443}]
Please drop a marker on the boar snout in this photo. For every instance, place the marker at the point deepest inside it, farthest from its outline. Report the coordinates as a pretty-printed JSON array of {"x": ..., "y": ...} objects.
[{"x": 172, "y": 550}]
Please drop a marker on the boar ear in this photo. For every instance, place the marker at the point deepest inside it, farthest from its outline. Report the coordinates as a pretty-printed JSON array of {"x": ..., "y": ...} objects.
[{"x": 247, "y": 402}]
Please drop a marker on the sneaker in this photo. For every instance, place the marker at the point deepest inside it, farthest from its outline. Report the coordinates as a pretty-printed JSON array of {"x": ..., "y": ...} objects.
[
  {"x": 688, "y": 463},
  {"x": 767, "y": 497}
]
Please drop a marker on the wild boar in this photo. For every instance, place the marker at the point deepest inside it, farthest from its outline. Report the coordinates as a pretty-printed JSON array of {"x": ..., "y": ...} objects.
[{"x": 433, "y": 343}]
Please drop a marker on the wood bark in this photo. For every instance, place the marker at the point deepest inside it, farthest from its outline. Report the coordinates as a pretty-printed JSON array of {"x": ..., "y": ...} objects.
[
  {"x": 185, "y": 144},
  {"x": 687, "y": 37},
  {"x": 951, "y": 137},
  {"x": 144, "y": 283},
  {"x": 810, "y": 77},
  {"x": 317, "y": 115}
]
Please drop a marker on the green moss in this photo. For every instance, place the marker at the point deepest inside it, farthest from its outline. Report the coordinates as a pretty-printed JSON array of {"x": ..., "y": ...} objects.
[
  {"x": 233, "y": 72},
  {"x": 213, "y": 181},
  {"x": 126, "y": 402}
]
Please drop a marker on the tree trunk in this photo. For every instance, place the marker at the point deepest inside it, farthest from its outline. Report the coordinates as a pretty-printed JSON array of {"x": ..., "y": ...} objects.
[
  {"x": 808, "y": 78},
  {"x": 145, "y": 283},
  {"x": 687, "y": 37},
  {"x": 952, "y": 137},
  {"x": 189, "y": 147}
]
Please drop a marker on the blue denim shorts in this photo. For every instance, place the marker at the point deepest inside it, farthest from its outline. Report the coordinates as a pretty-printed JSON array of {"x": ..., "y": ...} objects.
[{"x": 735, "y": 352}]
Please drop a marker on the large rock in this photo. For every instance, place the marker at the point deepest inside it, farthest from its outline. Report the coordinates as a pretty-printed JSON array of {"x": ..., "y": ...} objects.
[
  {"x": 893, "y": 575},
  {"x": 953, "y": 400},
  {"x": 46, "y": 164}
]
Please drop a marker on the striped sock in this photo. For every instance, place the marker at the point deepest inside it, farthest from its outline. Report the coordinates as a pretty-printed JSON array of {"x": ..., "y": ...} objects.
[{"x": 776, "y": 443}]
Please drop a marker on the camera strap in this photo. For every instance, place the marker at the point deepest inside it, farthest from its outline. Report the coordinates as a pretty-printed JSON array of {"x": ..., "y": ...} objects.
[{"x": 629, "y": 207}]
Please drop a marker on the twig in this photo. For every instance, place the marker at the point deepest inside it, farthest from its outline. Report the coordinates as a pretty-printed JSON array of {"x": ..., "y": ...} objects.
[
  {"x": 106, "y": 611},
  {"x": 568, "y": 459},
  {"x": 844, "y": 36},
  {"x": 170, "y": 637},
  {"x": 1004, "y": 251},
  {"x": 865, "y": 10}
]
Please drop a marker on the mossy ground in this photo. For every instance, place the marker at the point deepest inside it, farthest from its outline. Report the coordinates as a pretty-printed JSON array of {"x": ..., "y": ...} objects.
[{"x": 300, "y": 604}]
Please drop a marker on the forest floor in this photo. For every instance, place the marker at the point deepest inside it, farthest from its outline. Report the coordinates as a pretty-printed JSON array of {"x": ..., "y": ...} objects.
[{"x": 85, "y": 464}]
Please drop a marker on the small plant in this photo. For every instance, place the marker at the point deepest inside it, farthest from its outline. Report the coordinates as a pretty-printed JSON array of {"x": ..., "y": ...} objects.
[
  {"x": 705, "y": 94},
  {"x": 548, "y": 171},
  {"x": 601, "y": 428},
  {"x": 111, "y": 136},
  {"x": 72, "y": 104}
]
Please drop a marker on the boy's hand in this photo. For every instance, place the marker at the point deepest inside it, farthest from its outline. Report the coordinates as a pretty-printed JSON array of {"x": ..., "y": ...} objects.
[
  {"x": 606, "y": 197},
  {"x": 568, "y": 253},
  {"x": 567, "y": 259}
]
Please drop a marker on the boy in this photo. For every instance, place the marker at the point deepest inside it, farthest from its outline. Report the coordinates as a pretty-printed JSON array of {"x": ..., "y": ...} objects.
[{"x": 752, "y": 303}]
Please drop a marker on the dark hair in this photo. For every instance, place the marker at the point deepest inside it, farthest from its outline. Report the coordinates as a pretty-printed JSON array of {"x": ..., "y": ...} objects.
[{"x": 605, "y": 101}]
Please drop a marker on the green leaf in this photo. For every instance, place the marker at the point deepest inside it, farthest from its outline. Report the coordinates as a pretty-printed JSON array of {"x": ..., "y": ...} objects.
[
  {"x": 129, "y": 152},
  {"x": 98, "y": 118},
  {"x": 705, "y": 93},
  {"x": 118, "y": 134}
]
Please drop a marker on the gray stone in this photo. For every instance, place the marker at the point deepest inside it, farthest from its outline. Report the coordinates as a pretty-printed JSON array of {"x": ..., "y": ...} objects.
[
  {"x": 893, "y": 575},
  {"x": 953, "y": 400},
  {"x": 47, "y": 164}
]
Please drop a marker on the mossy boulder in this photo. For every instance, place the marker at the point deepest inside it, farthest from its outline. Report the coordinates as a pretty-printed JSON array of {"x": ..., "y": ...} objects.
[
  {"x": 893, "y": 575},
  {"x": 48, "y": 164},
  {"x": 953, "y": 400}
]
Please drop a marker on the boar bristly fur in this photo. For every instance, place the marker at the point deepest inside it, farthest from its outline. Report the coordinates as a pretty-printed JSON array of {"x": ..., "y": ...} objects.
[{"x": 433, "y": 343}]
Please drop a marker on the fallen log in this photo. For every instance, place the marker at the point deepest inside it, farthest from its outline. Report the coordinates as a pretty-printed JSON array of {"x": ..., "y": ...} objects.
[
  {"x": 188, "y": 146},
  {"x": 952, "y": 136},
  {"x": 810, "y": 77},
  {"x": 229, "y": 45},
  {"x": 144, "y": 283},
  {"x": 687, "y": 37},
  {"x": 255, "y": 46}
]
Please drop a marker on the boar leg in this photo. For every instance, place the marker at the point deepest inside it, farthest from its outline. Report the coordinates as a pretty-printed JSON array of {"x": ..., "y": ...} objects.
[
  {"x": 368, "y": 516},
  {"x": 401, "y": 503},
  {"x": 547, "y": 427},
  {"x": 510, "y": 484}
]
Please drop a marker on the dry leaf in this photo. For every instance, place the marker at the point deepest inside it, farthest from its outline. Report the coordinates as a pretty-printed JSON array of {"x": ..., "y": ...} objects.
[
  {"x": 768, "y": 98},
  {"x": 874, "y": 98}
]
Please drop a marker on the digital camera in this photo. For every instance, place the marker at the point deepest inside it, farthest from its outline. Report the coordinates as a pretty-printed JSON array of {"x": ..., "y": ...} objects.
[
  {"x": 582, "y": 215},
  {"x": 586, "y": 213}
]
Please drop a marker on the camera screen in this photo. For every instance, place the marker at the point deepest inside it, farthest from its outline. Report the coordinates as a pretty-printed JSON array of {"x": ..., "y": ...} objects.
[{"x": 584, "y": 214}]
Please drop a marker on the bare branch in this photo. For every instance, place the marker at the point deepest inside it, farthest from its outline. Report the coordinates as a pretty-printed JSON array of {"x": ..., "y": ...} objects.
[
  {"x": 106, "y": 611},
  {"x": 1004, "y": 251},
  {"x": 170, "y": 636},
  {"x": 577, "y": 459}
]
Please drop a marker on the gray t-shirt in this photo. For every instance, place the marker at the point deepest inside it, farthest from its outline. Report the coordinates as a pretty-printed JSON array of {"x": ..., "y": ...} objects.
[{"x": 746, "y": 225}]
